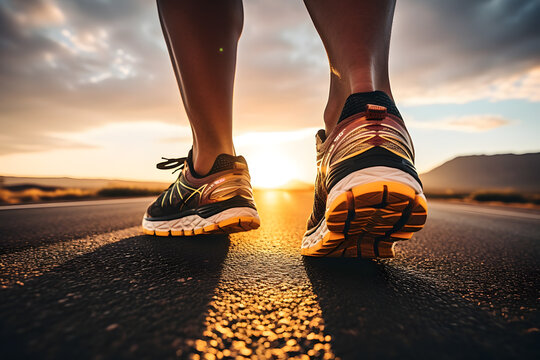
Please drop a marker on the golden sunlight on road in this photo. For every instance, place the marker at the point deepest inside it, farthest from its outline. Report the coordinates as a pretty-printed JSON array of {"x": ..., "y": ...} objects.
[{"x": 259, "y": 314}]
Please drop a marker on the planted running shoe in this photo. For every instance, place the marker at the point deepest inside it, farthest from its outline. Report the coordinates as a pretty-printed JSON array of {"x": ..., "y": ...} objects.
[
  {"x": 367, "y": 193},
  {"x": 220, "y": 202}
]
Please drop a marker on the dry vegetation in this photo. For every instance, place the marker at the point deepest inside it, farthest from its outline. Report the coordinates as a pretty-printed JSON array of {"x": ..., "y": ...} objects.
[
  {"x": 40, "y": 195},
  {"x": 32, "y": 195},
  {"x": 507, "y": 197}
]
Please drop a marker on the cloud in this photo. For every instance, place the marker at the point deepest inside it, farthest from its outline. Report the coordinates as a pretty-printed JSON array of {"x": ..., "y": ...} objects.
[
  {"x": 92, "y": 65},
  {"x": 74, "y": 65},
  {"x": 37, "y": 13},
  {"x": 459, "y": 51},
  {"x": 10, "y": 144},
  {"x": 469, "y": 123}
]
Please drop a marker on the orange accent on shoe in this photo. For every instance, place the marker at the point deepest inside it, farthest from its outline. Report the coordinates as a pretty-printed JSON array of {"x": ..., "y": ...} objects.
[{"x": 375, "y": 112}]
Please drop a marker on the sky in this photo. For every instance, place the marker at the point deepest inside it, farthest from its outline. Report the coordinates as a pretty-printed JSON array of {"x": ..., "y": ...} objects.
[{"x": 88, "y": 90}]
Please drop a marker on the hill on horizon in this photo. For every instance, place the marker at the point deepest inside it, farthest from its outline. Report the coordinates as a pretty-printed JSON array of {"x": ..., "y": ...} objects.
[
  {"x": 463, "y": 174},
  {"x": 502, "y": 172}
]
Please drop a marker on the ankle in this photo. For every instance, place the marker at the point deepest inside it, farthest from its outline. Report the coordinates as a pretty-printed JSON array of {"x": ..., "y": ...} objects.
[
  {"x": 368, "y": 80},
  {"x": 358, "y": 79},
  {"x": 357, "y": 102},
  {"x": 360, "y": 86},
  {"x": 330, "y": 125}
]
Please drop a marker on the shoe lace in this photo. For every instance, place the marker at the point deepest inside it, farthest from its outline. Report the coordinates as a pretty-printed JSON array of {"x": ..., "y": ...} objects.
[{"x": 172, "y": 163}]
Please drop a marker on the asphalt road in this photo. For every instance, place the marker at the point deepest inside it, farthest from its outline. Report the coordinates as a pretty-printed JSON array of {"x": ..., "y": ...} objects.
[{"x": 79, "y": 280}]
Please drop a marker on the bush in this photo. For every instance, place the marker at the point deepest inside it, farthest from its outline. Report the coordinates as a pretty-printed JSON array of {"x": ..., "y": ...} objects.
[
  {"x": 126, "y": 191},
  {"x": 446, "y": 196},
  {"x": 499, "y": 196},
  {"x": 37, "y": 195},
  {"x": 30, "y": 194}
]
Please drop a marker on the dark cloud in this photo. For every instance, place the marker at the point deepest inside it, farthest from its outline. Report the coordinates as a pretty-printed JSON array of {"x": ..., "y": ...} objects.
[
  {"x": 452, "y": 49},
  {"x": 92, "y": 64},
  {"x": 69, "y": 65}
]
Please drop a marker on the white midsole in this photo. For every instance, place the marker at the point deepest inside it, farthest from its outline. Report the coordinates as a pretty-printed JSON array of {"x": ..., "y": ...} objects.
[
  {"x": 193, "y": 222},
  {"x": 360, "y": 177},
  {"x": 369, "y": 175},
  {"x": 315, "y": 237}
]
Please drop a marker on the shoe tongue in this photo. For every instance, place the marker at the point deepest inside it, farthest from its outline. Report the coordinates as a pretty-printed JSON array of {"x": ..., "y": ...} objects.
[
  {"x": 358, "y": 102},
  {"x": 320, "y": 136}
]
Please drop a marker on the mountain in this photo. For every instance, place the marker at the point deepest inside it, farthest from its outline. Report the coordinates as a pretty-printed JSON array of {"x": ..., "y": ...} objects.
[
  {"x": 504, "y": 172},
  {"x": 66, "y": 182},
  {"x": 463, "y": 174}
]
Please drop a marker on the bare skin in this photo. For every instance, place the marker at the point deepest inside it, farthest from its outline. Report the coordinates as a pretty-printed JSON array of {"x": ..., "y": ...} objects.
[
  {"x": 202, "y": 38},
  {"x": 355, "y": 34}
]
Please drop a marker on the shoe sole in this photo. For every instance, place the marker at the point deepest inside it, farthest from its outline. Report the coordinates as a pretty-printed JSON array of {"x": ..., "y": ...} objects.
[
  {"x": 366, "y": 220},
  {"x": 227, "y": 222}
]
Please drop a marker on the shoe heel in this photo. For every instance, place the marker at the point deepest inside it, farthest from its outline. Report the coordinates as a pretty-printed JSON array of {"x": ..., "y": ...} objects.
[{"x": 376, "y": 215}]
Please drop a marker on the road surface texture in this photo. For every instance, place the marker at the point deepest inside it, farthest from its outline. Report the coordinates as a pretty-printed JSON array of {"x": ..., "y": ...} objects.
[{"x": 80, "y": 281}]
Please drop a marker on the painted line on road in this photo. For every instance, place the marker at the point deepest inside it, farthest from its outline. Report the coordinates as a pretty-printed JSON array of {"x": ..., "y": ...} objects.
[
  {"x": 74, "y": 203},
  {"x": 483, "y": 210}
]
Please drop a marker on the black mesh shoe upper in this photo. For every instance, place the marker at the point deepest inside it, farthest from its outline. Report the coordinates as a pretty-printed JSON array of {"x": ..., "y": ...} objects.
[{"x": 189, "y": 194}]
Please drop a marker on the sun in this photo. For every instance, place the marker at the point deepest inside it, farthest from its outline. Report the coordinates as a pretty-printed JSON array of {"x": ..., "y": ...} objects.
[
  {"x": 277, "y": 159},
  {"x": 270, "y": 169}
]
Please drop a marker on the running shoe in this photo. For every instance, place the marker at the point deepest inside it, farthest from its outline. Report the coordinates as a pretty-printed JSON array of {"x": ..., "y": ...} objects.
[
  {"x": 220, "y": 202},
  {"x": 367, "y": 193}
]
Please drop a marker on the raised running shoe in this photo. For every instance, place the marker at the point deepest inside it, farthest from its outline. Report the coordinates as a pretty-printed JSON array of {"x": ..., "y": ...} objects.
[
  {"x": 367, "y": 193},
  {"x": 220, "y": 202}
]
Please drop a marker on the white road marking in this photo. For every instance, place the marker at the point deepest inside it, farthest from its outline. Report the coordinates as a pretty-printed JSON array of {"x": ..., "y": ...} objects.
[{"x": 76, "y": 203}]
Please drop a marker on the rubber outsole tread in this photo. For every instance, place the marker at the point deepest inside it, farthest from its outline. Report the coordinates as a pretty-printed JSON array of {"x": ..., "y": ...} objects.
[
  {"x": 368, "y": 219},
  {"x": 228, "y": 226}
]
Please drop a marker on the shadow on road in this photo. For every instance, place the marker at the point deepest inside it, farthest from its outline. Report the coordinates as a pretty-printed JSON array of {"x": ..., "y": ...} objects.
[
  {"x": 138, "y": 297},
  {"x": 374, "y": 310}
]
